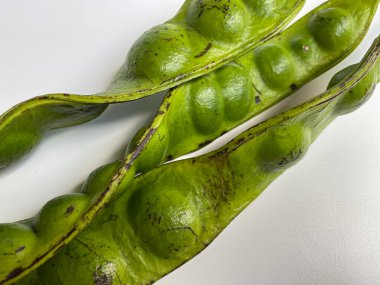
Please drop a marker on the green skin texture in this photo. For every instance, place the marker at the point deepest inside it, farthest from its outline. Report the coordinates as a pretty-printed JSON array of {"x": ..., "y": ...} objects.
[
  {"x": 207, "y": 107},
  {"x": 161, "y": 141},
  {"x": 171, "y": 213},
  {"x": 185, "y": 47}
]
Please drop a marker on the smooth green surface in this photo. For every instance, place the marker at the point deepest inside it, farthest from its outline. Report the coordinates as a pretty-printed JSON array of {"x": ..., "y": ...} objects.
[
  {"x": 171, "y": 213},
  {"x": 204, "y": 108},
  {"x": 203, "y": 36}
]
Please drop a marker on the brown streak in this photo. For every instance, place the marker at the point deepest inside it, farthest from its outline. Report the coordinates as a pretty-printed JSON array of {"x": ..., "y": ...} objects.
[{"x": 208, "y": 47}]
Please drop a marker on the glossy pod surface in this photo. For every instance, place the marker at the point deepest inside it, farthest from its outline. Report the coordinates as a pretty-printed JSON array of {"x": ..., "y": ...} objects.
[
  {"x": 183, "y": 48},
  {"x": 189, "y": 107},
  {"x": 173, "y": 212}
]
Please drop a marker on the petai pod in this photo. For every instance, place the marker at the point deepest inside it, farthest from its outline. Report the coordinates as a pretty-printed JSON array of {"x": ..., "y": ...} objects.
[
  {"x": 235, "y": 88},
  {"x": 183, "y": 48},
  {"x": 205, "y": 108},
  {"x": 171, "y": 213}
]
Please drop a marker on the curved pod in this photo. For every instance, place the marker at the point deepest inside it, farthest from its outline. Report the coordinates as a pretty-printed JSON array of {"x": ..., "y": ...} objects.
[
  {"x": 238, "y": 91},
  {"x": 181, "y": 49},
  {"x": 173, "y": 212}
]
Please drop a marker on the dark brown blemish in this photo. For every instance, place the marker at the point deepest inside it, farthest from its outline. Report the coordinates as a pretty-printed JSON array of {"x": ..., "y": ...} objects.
[
  {"x": 170, "y": 94},
  {"x": 207, "y": 48},
  {"x": 21, "y": 248},
  {"x": 257, "y": 99},
  {"x": 291, "y": 158},
  {"x": 225, "y": 9},
  {"x": 201, "y": 12},
  {"x": 293, "y": 87},
  {"x": 182, "y": 229},
  {"x": 254, "y": 87},
  {"x": 201, "y": 6},
  {"x": 221, "y": 153},
  {"x": 208, "y": 66},
  {"x": 69, "y": 210},
  {"x": 101, "y": 279},
  {"x": 15, "y": 272},
  {"x": 204, "y": 144},
  {"x": 240, "y": 141}
]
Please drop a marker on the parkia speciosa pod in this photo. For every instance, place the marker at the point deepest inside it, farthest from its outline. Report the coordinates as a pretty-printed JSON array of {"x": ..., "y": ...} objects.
[
  {"x": 181, "y": 49},
  {"x": 160, "y": 141},
  {"x": 171, "y": 213}
]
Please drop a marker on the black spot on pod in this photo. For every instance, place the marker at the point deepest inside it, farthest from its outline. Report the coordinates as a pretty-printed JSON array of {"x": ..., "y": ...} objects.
[{"x": 69, "y": 210}]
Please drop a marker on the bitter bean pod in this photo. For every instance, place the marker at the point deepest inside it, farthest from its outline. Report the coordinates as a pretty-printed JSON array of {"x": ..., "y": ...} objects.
[
  {"x": 207, "y": 107},
  {"x": 204, "y": 35},
  {"x": 233, "y": 86},
  {"x": 171, "y": 213}
]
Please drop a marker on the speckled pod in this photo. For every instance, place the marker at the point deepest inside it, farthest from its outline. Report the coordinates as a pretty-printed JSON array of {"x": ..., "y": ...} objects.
[
  {"x": 173, "y": 212},
  {"x": 204, "y": 35},
  {"x": 205, "y": 108}
]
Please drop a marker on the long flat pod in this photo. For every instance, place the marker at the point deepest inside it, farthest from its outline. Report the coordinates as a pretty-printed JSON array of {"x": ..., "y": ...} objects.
[
  {"x": 161, "y": 140},
  {"x": 173, "y": 212},
  {"x": 203, "y": 36}
]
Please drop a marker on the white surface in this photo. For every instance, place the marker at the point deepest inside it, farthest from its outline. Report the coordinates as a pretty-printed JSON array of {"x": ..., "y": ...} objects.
[{"x": 317, "y": 224}]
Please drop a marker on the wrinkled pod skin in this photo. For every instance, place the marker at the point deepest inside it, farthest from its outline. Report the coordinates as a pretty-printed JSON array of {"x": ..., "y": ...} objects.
[
  {"x": 171, "y": 213},
  {"x": 185, "y": 47},
  {"x": 231, "y": 87}
]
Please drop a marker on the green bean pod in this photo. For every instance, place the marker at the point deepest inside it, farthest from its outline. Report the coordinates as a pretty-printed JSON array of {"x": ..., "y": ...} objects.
[
  {"x": 234, "y": 86},
  {"x": 171, "y": 213},
  {"x": 203, "y": 36},
  {"x": 207, "y": 107}
]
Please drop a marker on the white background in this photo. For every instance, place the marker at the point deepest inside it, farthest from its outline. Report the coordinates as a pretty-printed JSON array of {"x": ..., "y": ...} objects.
[{"x": 317, "y": 224}]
